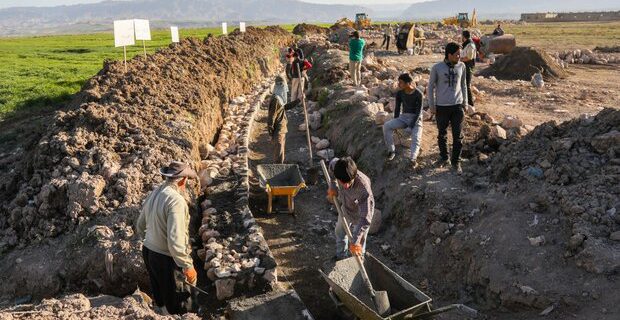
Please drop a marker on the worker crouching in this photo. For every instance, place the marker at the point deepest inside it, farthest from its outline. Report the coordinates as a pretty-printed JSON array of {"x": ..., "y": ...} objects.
[{"x": 163, "y": 224}]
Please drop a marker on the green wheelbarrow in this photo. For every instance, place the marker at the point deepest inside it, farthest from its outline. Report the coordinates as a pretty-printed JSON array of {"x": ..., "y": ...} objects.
[{"x": 347, "y": 291}]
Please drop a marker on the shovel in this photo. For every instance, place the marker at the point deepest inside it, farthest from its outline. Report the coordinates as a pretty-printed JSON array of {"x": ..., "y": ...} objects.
[
  {"x": 379, "y": 298},
  {"x": 313, "y": 173}
]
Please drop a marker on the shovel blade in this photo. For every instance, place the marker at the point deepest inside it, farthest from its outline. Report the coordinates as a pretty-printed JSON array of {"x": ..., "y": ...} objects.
[{"x": 382, "y": 303}]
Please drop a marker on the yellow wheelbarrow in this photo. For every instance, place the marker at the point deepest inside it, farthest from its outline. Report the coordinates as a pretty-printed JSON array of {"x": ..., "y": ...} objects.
[{"x": 280, "y": 180}]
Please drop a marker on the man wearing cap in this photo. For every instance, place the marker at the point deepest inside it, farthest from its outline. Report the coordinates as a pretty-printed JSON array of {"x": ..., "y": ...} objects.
[
  {"x": 164, "y": 225},
  {"x": 276, "y": 119},
  {"x": 357, "y": 203}
]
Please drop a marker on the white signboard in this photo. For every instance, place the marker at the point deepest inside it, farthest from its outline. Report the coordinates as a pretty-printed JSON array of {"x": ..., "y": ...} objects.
[
  {"x": 123, "y": 33},
  {"x": 224, "y": 28},
  {"x": 174, "y": 31},
  {"x": 143, "y": 30},
  {"x": 242, "y": 26}
]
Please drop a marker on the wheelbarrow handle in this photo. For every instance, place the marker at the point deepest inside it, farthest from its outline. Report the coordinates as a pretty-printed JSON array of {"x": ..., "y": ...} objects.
[{"x": 470, "y": 312}]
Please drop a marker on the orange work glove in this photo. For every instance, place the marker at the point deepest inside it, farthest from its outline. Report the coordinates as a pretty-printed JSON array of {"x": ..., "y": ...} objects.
[
  {"x": 331, "y": 193},
  {"x": 356, "y": 249},
  {"x": 191, "y": 276}
]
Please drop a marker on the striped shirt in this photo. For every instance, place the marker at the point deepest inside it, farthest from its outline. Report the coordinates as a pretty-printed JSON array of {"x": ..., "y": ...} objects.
[{"x": 358, "y": 203}]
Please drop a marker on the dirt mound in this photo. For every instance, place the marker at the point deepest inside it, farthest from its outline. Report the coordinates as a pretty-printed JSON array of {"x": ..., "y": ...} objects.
[
  {"x": 577, "y": 166},
  {"x": 614, "y": 49},
  {"x": 522, "y": 63},
  {"x": 88, "y": 173},
  {"x": 306, "y": 29},
  {"x": 78, "y": 306}
]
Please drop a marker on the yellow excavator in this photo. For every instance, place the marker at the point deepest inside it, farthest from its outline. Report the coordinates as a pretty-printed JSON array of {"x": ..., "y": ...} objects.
[
  {"x": 462, "y": 20},
  {"x": 362, "y": 21}
]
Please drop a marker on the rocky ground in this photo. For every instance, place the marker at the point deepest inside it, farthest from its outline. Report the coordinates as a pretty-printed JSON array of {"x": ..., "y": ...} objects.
[
  {"x": 75, "y": 188},
  {"x": 501, "y": 238},
  {"x": 529, "y": 230}
]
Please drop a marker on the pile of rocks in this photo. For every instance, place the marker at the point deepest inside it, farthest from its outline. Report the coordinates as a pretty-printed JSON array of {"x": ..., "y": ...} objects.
[
  {"x": 577, "y": 166},
  {"x": 234, "y": 250},
  {"x": 585, "y": 56},
  {"x": 78, "y": 306}
]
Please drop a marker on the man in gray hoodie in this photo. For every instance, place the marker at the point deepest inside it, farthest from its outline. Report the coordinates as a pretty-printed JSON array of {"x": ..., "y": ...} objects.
[{"x": 447, "y": 96}]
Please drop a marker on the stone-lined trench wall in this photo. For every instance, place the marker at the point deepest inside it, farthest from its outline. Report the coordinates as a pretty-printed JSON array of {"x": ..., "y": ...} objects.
[
  {"x": 237, "y": 258},
  {"x": 68, "y": 206}
]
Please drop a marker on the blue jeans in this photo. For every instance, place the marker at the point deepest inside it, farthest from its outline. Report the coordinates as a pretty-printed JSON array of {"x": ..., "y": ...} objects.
[
  {"x": 403, "y": 122},
  {"x": 342, "y": 241}
]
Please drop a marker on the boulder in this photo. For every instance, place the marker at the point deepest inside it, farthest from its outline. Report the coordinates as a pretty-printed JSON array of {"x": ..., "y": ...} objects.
[
  {"x": 314, "y": 120},
  {"x": 225, "y": 288},
  {"x": 323, "y": 144},
  {"x": 372, "y": 108},
  {"x": 326, "y": 154},
  {"x": 498, "y": 132},
  {"x": 511, "y": 122},
  {"x": 382, "y": 117}
]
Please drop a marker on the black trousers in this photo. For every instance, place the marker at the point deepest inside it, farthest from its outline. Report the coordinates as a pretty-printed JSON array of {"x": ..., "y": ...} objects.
[
  {"x": 450, "y": 116},
  {"x": 167, "y": 285},
  {"x": 386, "y": 40},
  {"x": 469, "y": 70}
]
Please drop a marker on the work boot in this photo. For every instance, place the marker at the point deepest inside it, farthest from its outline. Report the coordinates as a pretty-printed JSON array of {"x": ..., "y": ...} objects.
[
  {"x": 391, "y": 155},
  {"x": 414, "y": 164},
  {"x": 442, "y": 163},
  {"x": 457, "y": 169}
]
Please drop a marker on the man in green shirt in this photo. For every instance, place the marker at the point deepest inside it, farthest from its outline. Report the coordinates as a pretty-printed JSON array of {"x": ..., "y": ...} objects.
[
  {"x": 164, "y": 225},
  {"x": 356, "y": 54}
]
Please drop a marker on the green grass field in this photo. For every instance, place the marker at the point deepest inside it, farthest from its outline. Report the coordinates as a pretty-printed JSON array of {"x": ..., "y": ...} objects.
[{"x": 41, "y": 73}]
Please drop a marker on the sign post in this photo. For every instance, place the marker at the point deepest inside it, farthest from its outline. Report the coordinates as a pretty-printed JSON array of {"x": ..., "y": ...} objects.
[
  {"x": 242, "y": 26},
  {"x": 174, "y": 32},
  {"x": 143, "y": 32},
  {"x": 224, "y": 28},
  {"x": 124, "y": 36}
]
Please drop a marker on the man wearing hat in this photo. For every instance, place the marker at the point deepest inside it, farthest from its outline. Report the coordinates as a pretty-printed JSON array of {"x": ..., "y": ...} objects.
[
  {"x": 276, "y": 119},
  {"x": 164, "y": 225}
]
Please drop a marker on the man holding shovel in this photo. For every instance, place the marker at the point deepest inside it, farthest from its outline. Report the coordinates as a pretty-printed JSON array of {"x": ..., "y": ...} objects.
[{"x": 357, "y": 203}]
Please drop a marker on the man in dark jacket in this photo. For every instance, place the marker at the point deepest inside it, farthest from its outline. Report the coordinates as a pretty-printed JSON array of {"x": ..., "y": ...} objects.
[{"x": 409, "y": 101}]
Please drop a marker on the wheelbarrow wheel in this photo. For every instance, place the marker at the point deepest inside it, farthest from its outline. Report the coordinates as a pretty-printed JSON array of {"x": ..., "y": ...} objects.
[{"x": 416, "y": 50}]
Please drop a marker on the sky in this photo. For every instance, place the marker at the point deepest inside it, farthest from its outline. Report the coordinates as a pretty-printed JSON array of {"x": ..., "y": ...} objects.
[{"x": 50, "y": 3}]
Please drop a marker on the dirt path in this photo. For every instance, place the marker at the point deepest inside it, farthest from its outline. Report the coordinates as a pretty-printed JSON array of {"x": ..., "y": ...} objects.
[
  {"x": 302, "y": 243},
  {"x": 299, "y": 251}
]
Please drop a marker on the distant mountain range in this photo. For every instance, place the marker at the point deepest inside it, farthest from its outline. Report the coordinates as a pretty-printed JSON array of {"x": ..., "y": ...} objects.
[
  {"x": 93, "y": 17},
  {"x": 99, "y": 16},
  {"x": 504, "y": 9}
]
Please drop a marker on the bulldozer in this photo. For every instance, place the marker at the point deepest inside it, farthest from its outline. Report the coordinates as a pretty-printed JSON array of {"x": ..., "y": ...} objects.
[
  {"x": 362, "y": 21},
  {"x": 462, "y": 20}
]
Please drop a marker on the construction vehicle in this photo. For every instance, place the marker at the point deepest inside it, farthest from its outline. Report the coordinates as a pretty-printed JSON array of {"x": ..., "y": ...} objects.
[
  {"x": 410, "y": 39},
  {"x": 462, "y": 20},
  {"x": 343, "y": 23},
  {"x": 362, "y": 21}
]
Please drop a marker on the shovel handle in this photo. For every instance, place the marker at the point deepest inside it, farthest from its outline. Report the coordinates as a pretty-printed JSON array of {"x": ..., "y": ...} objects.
[
  {"x": 303, "y": 103},
  {"x": 349, "y": 234}
]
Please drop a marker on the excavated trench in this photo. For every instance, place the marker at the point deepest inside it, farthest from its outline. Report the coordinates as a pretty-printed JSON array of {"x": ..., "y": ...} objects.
[{"x": 101, "y": 155}]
